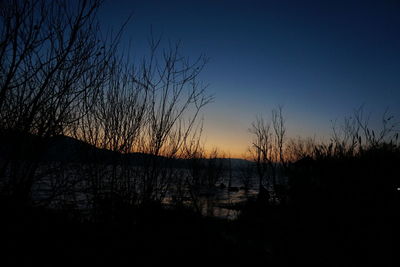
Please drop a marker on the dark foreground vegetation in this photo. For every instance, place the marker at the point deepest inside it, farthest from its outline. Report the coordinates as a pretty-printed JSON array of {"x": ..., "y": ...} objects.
[
  {"x": 101, "y": 161},
  {"x": 339, "y": 207},
  {"x": 146, "y": 235}
]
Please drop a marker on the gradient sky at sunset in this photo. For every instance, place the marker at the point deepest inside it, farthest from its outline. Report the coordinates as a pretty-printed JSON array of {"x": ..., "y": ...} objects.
[{"x": 319, "y": 59}]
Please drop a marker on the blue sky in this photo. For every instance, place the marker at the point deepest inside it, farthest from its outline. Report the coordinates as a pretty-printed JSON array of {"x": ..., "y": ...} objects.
[{"x": 319, "y": 59}]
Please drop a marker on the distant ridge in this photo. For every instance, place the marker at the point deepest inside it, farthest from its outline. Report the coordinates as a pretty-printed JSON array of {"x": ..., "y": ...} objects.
[{"x": 62, "y": 148}]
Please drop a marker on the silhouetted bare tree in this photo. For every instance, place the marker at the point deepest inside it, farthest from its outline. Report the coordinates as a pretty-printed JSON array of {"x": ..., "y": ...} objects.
[
  {"x": 268, "y": 148},
  {"x": 53, "y": 61},
  {"x": 175, "y": 100},
  {"x": 261, "y": 149}
]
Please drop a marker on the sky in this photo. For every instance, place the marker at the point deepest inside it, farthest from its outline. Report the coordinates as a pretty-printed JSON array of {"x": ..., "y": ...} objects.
[{"x": 320, "y": 60}]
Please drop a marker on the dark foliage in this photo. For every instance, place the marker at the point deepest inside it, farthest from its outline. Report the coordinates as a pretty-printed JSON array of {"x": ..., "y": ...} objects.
[
  {"x": 344, "y": 209},
  {"x": 145, "y": 235}
]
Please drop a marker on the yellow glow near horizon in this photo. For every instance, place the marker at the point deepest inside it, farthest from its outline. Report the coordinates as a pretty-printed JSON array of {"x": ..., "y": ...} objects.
[{"x": 230, "y": 138}]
